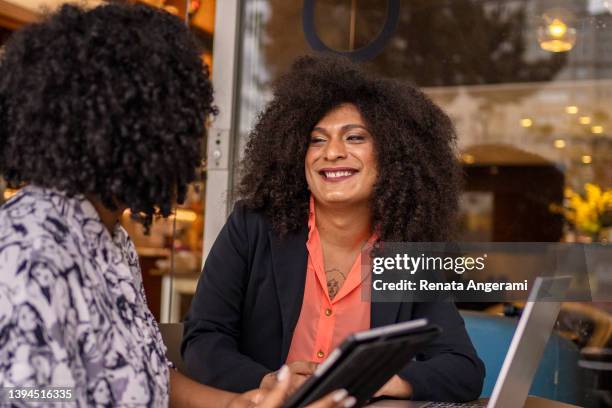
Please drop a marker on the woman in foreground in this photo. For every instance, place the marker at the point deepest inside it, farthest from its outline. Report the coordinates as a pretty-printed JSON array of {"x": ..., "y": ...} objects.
[
  {"x": 100, "y": 111},
  {"x": 337, "y": 160}
]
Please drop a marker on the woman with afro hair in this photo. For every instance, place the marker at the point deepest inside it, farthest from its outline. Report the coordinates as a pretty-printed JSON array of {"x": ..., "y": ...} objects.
[
  {"x": 337, "y": 160},
  {"x": 100, "y": 111}
]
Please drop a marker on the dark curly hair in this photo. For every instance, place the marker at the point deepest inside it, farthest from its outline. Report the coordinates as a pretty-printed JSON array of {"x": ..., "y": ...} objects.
[
  {"x": 415, "y": 196},
  {"x": 110, "y": 102}
]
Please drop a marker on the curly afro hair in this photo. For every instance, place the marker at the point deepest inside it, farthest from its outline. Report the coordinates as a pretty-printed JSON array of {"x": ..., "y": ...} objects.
[
  {"x": 415, "y": 196},
  {"x": 110, "y": 102}
]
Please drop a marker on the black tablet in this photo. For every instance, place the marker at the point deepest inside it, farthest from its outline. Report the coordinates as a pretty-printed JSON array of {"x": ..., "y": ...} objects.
[{"x": 365, "y": 361}]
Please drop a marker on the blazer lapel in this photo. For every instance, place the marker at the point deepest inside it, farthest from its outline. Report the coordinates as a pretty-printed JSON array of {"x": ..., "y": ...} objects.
[{"x": 289, "y": 261}]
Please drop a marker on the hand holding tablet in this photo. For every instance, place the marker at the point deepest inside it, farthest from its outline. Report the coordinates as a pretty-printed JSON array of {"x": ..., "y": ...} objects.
[
  {"x": 365, "y": 361},
  {"x": 274, "y": 397}
]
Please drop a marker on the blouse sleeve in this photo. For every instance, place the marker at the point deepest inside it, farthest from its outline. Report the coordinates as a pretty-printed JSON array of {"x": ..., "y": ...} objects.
[
  {"x": 38, "y": 318},
  {"x": 132, "y": 259}
]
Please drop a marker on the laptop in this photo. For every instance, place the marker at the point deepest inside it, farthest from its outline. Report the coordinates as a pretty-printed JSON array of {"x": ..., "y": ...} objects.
[{"x": 523, "y": 357}]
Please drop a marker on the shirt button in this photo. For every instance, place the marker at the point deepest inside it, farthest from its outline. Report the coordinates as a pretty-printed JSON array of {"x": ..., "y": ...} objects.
[
  {"x": 328, "y": 312},
  {"x": 320, "y": 354}
]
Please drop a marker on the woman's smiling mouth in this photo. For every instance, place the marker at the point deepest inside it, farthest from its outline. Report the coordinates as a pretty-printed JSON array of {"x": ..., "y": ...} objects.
[{"x": 337, "y": 174}]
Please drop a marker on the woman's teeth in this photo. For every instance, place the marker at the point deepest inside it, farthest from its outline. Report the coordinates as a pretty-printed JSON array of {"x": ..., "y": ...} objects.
[{"x": 336, "y": 174}]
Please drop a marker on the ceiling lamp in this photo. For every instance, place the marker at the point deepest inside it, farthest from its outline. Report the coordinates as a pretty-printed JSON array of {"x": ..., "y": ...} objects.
[
  {"x": 555, "y": 33},
  {"x": 468, "y": 158},
  {"x": 572, "y": 109}
]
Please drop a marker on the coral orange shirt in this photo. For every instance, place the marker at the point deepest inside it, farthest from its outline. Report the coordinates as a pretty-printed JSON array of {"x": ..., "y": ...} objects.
[{"x": 323, "y": 322}]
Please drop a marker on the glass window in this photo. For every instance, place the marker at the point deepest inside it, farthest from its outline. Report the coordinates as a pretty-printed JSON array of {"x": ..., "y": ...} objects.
[
  {"x": 171, "y": 254},
  {"x": 528, "y": 85}
]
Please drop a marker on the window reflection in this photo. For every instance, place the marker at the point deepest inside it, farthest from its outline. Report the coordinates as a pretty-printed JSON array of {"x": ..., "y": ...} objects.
[
  {"x": 518, "y": 107},
  {"x": 533, "y": 116}
]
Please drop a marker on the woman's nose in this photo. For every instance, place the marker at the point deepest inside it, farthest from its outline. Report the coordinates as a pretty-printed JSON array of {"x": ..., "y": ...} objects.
[{"x": 335, "y": 149}]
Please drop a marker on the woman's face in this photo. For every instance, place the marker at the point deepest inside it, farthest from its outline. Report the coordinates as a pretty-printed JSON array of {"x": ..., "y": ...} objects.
[
  {"x": 42, "y": 366},
  {"x": 42, "y": 274},
  {"x": 341, "y": 166},
  {"x": 102, "y": 394},
  {"x": 27, "y": 318}
]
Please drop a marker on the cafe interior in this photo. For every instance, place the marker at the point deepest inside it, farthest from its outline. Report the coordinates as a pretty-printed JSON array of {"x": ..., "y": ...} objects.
[{"x": 528, "y": 85}]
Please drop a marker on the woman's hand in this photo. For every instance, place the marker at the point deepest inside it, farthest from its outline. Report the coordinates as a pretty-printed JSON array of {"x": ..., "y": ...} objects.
[
  {"x": 299, "y": 371},
  {"x": 396, "y": 388},
  {"x": 275, "y": 397}
]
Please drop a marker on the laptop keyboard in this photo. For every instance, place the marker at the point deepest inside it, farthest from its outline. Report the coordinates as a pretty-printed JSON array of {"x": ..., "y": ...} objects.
[{"x": 455, "y": 405}]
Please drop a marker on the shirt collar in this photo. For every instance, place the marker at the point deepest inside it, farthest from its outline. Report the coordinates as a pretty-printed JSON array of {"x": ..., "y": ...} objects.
[
  {"x": 77, "y": 206},
  {"x": 312, "y": 222}
]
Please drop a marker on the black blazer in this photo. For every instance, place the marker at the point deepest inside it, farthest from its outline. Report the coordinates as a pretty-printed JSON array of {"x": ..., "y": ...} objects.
[{"x": 248, "y": 302}]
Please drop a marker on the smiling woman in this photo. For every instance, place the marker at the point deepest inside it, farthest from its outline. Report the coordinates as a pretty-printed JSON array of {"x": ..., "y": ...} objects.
[
  {"x": 338, "y": 160},
  {"x": 412, "y": 137}
]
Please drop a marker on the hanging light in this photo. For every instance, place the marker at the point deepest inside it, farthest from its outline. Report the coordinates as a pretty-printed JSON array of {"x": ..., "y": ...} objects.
[
  {"x": 572, "y": 109},
  {"x": 597, "y": 129},
  {"x": 559, "y": 143},
  {"x": 555, "y": 33},
  {"x": 468, "y": 158}
]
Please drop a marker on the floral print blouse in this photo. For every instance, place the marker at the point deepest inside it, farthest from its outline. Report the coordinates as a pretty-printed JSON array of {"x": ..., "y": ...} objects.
[{"x": 72, "y": 306}]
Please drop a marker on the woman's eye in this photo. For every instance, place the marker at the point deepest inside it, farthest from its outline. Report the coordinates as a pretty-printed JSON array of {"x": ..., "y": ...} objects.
[
  {"x": 315, "y": 140},
  {"x": 355, "y": 138}
]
